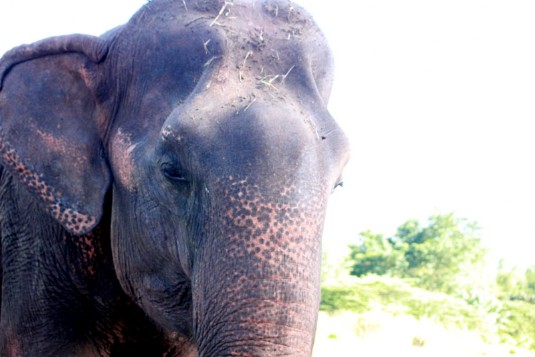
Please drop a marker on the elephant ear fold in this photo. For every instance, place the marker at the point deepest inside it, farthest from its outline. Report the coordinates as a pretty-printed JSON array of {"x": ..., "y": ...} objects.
[{"x": 49, "y": 130}]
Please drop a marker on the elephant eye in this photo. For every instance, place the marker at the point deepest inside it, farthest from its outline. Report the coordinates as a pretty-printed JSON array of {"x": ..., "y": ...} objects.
[{"x": 173, "y": 173}]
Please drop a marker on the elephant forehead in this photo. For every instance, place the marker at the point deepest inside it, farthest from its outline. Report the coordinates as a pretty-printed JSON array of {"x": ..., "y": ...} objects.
[
  {"x": 195, "y": 63},
  {"x": 259, "y": 40},
  {"x": 218, "y": 12}
]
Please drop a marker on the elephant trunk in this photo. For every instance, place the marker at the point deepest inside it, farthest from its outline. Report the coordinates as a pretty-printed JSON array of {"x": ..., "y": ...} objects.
[{"x": 256, "y": 290}]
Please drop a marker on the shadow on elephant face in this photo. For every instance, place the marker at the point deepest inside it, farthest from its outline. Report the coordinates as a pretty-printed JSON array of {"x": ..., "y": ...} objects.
[{"x": 208, "y": 123}]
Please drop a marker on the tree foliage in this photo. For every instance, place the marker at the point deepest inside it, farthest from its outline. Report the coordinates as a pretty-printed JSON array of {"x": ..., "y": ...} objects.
[
  {"x": 376, "y": 255},
  {"x": 435, "y": 256},
  {"x": 516, "y": 284},
  {"x": 435, "y": 270}
]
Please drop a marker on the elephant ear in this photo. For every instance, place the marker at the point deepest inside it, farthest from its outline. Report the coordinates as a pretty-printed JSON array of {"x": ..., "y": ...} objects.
[{"x": 49, "y": 132}]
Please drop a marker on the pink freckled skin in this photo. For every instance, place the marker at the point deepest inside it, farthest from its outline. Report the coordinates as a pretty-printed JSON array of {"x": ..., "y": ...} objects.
[
  {"x": 62, "y": 148},
  {"x": 123, "y": 163},
  {"x": 73, "y": 220},
  {"x": 54, "y": 143},
  {"x": 272, "y": 247}
]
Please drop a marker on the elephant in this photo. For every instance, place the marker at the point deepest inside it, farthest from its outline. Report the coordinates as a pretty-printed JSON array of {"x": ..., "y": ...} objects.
[{"x": 163, "y": 186}]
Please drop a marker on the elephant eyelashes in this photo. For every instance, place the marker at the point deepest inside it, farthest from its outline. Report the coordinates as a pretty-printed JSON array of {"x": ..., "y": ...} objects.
[
  {"x": 173, "y": 173},
  {"x": 339, "y": 183}
]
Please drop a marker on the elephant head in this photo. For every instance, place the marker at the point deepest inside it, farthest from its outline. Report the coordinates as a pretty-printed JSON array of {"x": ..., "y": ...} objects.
[{"x": 206, "y": 124}]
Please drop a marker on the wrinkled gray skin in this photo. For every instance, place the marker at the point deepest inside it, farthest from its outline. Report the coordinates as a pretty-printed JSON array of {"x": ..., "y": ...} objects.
[{"x": 163, "y": 187}]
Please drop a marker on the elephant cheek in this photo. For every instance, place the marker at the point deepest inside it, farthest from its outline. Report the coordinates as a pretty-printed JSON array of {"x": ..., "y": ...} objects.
[
  {"x": 121, "y": 154},
  {"x": 261, "y": 295}
]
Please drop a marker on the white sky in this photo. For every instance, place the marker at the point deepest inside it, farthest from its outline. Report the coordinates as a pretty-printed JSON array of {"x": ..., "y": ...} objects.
[{"x": 437, "y": 98}]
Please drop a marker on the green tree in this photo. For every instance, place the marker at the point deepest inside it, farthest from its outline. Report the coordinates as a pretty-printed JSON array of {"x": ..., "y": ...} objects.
[
  {"x": 510, "y": 281},
  {"x": 436, "y": 256},
  {"x": 530, "y": 284},
  {"x": 515, "y": 284},
  {"x": 376, "y": 255}
]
